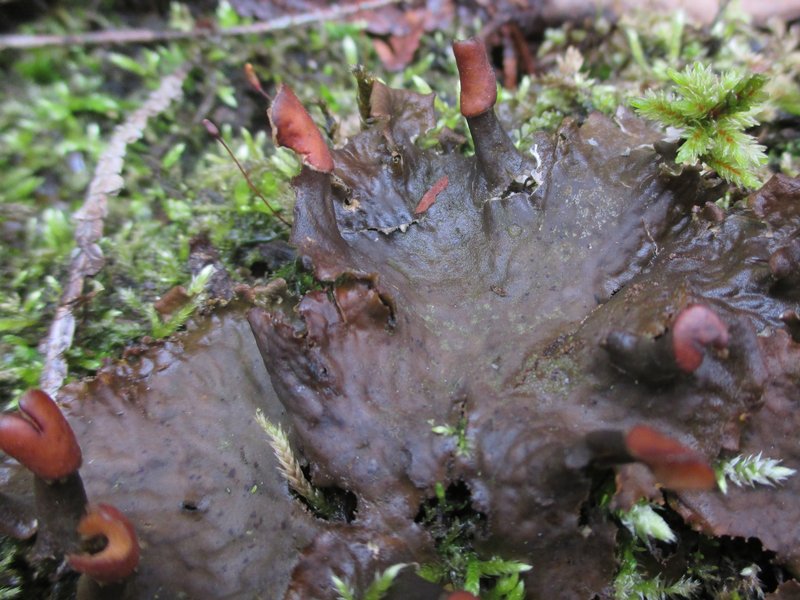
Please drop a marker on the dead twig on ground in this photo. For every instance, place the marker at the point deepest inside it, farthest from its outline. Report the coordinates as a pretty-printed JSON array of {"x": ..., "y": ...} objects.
[
  {"x": 87, "y": 257},
  {"x": 142, "y": 36}
]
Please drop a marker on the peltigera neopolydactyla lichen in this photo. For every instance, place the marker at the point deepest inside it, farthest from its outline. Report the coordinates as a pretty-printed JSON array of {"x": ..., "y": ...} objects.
[
  {"x": 502, "y": 330},
  {"x": 565, "y": 302}
]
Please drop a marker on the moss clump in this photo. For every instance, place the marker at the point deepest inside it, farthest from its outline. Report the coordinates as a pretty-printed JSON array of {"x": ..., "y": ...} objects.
[{"x": 711, "y": 114}]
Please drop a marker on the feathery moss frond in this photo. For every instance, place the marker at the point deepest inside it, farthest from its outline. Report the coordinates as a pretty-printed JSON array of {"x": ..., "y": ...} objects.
[
  {"x": 645, "y": 523},
  {"x": 290, "y": 467},
  {"x": 659, "y": 106},
  {"x": 376, "y": 591},
  {"x": 712, "y": 113},
  {"x": 345, "y": 591},
  {"x": 698, "y": 143},
  {"x": 750, "y": 470},
  {"x": 630, "y": 584}
]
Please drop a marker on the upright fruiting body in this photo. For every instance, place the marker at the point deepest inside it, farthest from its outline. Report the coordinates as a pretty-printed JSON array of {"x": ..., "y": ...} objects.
[
  {"x": 696, "y": 328},
  {"x": 478, "y": 82},
  {"x": 674, "y": 465},
  {"x": 293, "y": 128},
  {"x": 682, "y": 350},
  {"x": 497, "y": 158},
  {"x": 120, "y": 556},
  {"x": 40, "y": 438}
]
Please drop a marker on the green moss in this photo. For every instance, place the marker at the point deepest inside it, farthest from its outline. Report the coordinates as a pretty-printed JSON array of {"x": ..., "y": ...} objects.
[
  {"x": 631, "y": 584},
  {"x": 379, "y": 587},
  {"x": 711, "y": 113},
  {"x": 452, "y": 523},
  {"x": 10, "y": 579}
]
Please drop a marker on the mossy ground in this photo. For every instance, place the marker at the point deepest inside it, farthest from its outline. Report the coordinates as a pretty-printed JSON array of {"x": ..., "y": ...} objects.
[{"x": 60, "y": 105}]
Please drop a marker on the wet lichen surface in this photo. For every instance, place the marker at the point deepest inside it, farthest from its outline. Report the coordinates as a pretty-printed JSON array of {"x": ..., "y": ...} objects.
[
  {"x": 522, "y": 298},
  {"x": 497, "y": 305}
]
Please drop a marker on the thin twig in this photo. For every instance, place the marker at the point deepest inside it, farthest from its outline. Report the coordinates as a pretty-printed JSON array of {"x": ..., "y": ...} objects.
[
  {"x": 141, "y": 36},
  {"x": 87, "y": 258}
]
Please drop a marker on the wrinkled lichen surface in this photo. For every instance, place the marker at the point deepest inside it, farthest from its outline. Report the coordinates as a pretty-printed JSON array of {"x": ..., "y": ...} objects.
[
  {"x": 493, "y": 305},
  {"x": 487, "y": 311}
]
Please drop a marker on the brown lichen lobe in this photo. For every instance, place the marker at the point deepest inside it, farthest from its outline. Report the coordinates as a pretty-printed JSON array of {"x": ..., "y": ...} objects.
[
  {"x": 169, "y": 438},
  {"x": 601, "y": 244},
  {"x": 487, "y": 310}
]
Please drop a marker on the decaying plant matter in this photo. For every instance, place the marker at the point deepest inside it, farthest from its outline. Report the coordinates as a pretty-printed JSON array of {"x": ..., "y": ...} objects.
[{"x": 566, "y": 310}]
